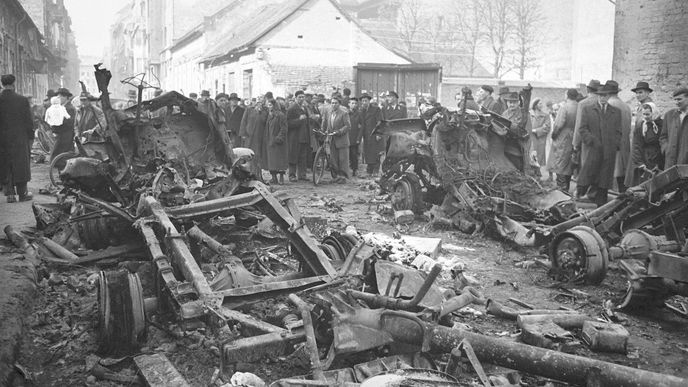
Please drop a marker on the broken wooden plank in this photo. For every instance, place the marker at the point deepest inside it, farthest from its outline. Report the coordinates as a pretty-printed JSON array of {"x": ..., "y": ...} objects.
[{"x": 157, "y": 370}]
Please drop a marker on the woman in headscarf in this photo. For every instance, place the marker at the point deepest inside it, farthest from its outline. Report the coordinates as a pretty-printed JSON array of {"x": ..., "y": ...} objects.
[{"x": 645, "y": 150}]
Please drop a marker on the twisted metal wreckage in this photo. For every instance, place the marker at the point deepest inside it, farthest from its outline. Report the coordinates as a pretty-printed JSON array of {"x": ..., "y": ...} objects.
[{"x": 349, "y": 299}]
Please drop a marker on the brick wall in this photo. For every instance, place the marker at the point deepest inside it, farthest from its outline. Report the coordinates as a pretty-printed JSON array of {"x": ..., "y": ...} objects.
[{"x": 651, "y": 44}]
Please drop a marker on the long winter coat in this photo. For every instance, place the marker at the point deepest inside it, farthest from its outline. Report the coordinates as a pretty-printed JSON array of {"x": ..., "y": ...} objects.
[
  {"x": 298, "y": 132},
  {"x": 356, "y": 132},
  {"x": 16, "y": 136},
  {"x": 674, "y": 139},
  {"x": 233, "y": 123},
  {"x": 600, "y": 135},
  {"x": 371, "y": 145},
  {"x": 277, "y": 152},
  {"x": 624, "y": 156},
  {"x": 538, "y": 135},
  {"x": 559, "y": 160},
  {"x": 252, "y": 132}
]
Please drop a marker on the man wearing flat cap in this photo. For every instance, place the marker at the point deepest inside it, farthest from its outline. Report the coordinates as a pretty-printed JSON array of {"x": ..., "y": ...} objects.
[
  {"x": 89, "y": 118},
  {"x": 674, "y": 136},
  {"x": 298, "y": 137},
  {"x": 16, "y": 138},
  {"x": 393, "y": 111},
  {"x": 64, "y": 134},
  {"x": 484, "y": 97},
  {"x": 600, "y": 132}
]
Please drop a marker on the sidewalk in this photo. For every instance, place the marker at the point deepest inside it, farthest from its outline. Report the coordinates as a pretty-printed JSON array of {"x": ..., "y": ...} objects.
[{"x": 17, "y": 274}]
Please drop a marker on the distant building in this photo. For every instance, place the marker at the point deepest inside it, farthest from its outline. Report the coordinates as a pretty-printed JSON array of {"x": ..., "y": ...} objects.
[
  {"x": 55, "y": 25},
  {"x": 87, "y": 73}
]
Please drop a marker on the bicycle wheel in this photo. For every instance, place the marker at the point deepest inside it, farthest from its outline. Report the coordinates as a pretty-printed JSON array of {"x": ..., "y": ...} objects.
[
  {"x": 45, "y": 141},
  {"x": 319, "y": 165},
  {"x": 54, "y": 173}
]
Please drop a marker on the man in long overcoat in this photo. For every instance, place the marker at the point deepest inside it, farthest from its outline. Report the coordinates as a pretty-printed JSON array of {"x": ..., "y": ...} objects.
[
  {"x": 337, "y": 122},
  {"x": 298, "y": 137},
  {"x": 674, "y": 136},
  {"x": 559, "y": 160},
  {"x": 233, "y": 115},
  {"x": 16, "y": 138},
  {"x": 372, "y": 145},
  {"x": 600, "y": 133},
  {"x": 578, "y": 154},
  {"x": 89, "y": 118}
]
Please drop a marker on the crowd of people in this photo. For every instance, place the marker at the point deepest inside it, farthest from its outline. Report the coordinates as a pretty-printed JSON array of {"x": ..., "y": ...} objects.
[
  {"x": 596, "y": 138},
  {"x": 599, "y": 138},
  {"x": 286, "y": 132}
]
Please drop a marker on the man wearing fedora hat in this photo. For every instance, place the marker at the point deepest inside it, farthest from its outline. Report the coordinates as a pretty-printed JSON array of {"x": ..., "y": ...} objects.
[
  {"x": 233, "y": 115},
  {"x": 600, "y": 133},
  {"x": 577, "y": 153},
  {"x": 642, "y": 92},
  {"x": 16, "y": 138},
  {"x": 517, "y": 144},
  {"x": 64, "y": 134}
]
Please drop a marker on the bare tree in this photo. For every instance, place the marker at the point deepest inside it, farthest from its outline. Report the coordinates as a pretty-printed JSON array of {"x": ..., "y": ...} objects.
[
  {"x": 497, "y": 24},
  {"x": 467, "y": 18},
  {"x": 410, "y": 21},
  {"x": 528, "y": 21}
]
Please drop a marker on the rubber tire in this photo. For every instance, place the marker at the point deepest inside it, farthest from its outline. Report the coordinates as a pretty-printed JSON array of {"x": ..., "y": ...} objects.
[
  {"x": 318, "y": 173},
  {"x": 61, "y": 157},
  {"x": 411, "y": 187},
  {"x": 122, "y": 318}
]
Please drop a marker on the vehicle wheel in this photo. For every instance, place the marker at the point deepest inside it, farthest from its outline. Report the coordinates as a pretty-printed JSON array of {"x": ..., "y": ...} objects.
[
  {"x": 579, "y": 254},
  {"x": 319, "y": 165},
  {"x": 45, "y": 141},
  {"x": 407, "y": 194},
  {"x": 122, "y": 319},
  {"x": 54, "y": 171}
]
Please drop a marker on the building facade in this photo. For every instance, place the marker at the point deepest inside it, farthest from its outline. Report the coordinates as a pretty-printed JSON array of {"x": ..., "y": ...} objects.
[{"x": 654, "y": 50}]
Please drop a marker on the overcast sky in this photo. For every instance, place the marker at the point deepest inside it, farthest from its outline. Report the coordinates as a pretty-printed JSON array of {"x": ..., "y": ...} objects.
[{"x": 91, "y": 21}]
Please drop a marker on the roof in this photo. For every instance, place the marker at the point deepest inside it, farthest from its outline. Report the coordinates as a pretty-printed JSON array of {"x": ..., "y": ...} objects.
[
  {"x": 254, "y": 25},
  {"x": 263, "y": 19}
]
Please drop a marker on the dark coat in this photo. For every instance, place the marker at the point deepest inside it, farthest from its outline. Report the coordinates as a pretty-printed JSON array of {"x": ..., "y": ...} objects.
[
  {"x": 298, "y": 132},
  {"x": 88, "y": 118},
  {"x": 622, "y": 167},
  {"x": 394, "y": 113},
  {"x": 674, "y": 139},
  {"x": 277, "y": 153},
  {"x": 16, "y": 136},
  {"x": 542, "y": 123},
  {"x": 372, "y": 146},
  {"x": 559, "y": 160},
  {"x": 252, "y": 132},
  {"x": 340, "y": 125},
  {"x": 646, "y": 149},
  {"x": 489, "y": 103},
  {"x": 233, "y": 123},
  {"x": 356, "y": 132},
  {"x": 600, "y": 134}
]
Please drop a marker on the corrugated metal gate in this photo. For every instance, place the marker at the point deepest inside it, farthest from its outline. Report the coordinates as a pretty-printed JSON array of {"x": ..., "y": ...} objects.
[{"x": 410, "y": 81}]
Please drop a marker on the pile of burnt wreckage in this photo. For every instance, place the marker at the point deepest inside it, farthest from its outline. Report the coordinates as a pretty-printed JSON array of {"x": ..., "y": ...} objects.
[{"x": 187, "y": 192}]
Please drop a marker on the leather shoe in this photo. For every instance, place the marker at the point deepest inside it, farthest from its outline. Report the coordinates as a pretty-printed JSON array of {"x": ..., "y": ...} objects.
[{"x": 26, "y": 197}]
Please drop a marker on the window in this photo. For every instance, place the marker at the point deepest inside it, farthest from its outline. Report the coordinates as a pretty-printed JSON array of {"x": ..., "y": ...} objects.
[{"x": 248, "y": 83}]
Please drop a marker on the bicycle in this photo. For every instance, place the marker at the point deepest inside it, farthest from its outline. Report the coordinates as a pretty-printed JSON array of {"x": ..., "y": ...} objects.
[{"x": 322, "y": 160}]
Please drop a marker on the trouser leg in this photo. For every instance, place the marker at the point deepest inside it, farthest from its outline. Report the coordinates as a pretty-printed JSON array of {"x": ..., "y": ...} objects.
[
  {"x": 21, "y": 188},
  {"x": 620, "y": 184},
  {"x": 563, "y": 182},
  {"x": 343, "y": 154},
  {"x": 600, "y": 196},
  {"x": 353, "y": 158},
  {"x": 581, "y": 190},
  {"x": 372, "y": 168},
  {"x": 304, "y": 150}
]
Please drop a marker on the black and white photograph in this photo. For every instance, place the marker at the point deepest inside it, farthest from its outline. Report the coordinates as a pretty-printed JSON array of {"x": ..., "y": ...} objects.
[{"x": 297, "y": 193}]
